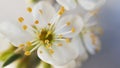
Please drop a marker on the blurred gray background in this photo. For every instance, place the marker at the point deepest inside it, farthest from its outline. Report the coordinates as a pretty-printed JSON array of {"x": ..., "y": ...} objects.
[{"x": 109, "y": 57}]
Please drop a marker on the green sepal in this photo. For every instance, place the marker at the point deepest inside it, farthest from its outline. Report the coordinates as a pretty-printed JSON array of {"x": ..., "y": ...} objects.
[
  {"x": 7, "y": 53},
  {"x": 11, "y": 59}
]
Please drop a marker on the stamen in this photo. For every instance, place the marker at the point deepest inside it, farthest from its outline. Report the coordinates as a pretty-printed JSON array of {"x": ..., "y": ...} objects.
[
  {"x": 29, "y": 9},
  {"x": 51, "y": 51},
  {"x": 73, "y": 29},
  {"x": 49, "y": 24},
  {"x": 36, "y": 22},
  {"x": 60, "y": 44},
  {"x": 48, "y": 46},
  {"x": 28, "y": 43},
  {"x": 46, "y": 41},
  {"x": 27, "y": 53},
  {"x": 68, "y": 40},
  {"x": 93, "y": 39},
  {"x": 24, "y": 27},
  {"x": 94, "y": 12},
  {"x": 68, "y": 23},
  {"x": 40, "y": 10},
  {"x": 20, "y": 19},
  {"x": 21, "y": 45},
  {"x": 48, "y": 33},
  {"x": 61, "y": 11}
]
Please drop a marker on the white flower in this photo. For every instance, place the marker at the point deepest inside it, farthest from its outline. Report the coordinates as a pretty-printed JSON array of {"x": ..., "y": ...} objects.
[
  {"x": 86, "y": 4},
  {"x": 88, "y": 35},
  {"x": 91, "y": 42},
  {"x": 52, "y": 34}
]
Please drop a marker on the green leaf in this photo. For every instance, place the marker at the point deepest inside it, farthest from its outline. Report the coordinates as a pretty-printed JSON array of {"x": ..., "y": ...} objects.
[{"x": 11, "y": 59}]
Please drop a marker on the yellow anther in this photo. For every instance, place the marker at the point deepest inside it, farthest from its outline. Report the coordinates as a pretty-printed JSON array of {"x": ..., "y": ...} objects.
[
  {"x": 36, "y": 22},
  {"x": 94, "y": 12},
  {"x": 60, "y": 44},
  {"x": 51, "y": 51},
  {"x": 73, "y": 29},
  {"x": 68, "y": 40},
  {"x": 20, "y": 19},
  {"x": 29, "y": 9},
  {"x": 68, "y": 23},
  {"x": 61, "y": 11},
  {"x": 28, "y": 43},
  {"x": 97, "y": 49},
  {"x": 49, "y": 24},
  {"x": 48, "y": 46},
  {"x": 46, "y": 41},
  {"x": 21, "y": 45},
  {"x": 24, "y": 27},
  {"x": 41, "y": 52},
  {"x": 60, "y": 36},
  {"x": 27, "y": 53},
  {"x": 93, "y": 38},
  {"x": 40, "y": 10},
  {"x": 48, "y": 33}
]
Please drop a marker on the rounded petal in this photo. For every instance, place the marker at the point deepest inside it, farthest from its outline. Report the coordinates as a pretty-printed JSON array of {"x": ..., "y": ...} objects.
[
  {"x": 68, "y": 4},
  {"x": 81, "y": 49},
  {"x": 4, "y": 43},
  {"x": 92, "y": 42},
  {"x": 62, "y": 54},
  {"x": 91, "y": 4},
  {"x": 71, "y": 64},
  {"x": 69, "y": 25},
  {"x": 14, "y": 33},
  {"x": 43, "y": 11}
]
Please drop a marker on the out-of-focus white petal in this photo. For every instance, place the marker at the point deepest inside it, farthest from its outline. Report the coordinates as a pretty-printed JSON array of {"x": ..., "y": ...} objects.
[
  {"x": 71, "y": 64},
  {"x": 81, "y": 49},
  {"x": 69, "y": 25},
  {"x": 13, "y": 32},
  {"x": 62, "y": 54},
  {"x": 91, "y": 4},
  {"x": 92, "y": 42},
  {"x": 68, "y": 4},
  {"x": 43, "y": 11}
]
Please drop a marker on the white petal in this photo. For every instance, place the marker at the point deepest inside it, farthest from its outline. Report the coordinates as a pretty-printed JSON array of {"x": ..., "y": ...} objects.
[
  {"x": 14, "y": 33},
  {"x": 68, "y": 4},
  {"x": 43, "y": 11},
  {"x": 62, "y": 54},
  {"x": 4, "y": 43},
  {"x": 92, "y": 42},
  {"x": 71, "y": 64},
  {"x": 75, "y": 21},
  {"x": 81, "y": 49},
  {"x": 91, "y": 4}
]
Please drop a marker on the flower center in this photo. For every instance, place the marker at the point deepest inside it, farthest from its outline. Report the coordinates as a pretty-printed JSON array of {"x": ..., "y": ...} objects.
[{"x": 46, "y": 36}]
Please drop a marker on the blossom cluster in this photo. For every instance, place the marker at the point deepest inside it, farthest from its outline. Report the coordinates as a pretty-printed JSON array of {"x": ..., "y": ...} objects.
[{"x": 63, "y": 34}]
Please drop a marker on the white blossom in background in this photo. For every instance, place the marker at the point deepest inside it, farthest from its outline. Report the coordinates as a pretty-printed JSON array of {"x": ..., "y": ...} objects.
[
  {"x": 53, "y": 35},
  {"x": 85, "y": 4}
]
